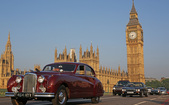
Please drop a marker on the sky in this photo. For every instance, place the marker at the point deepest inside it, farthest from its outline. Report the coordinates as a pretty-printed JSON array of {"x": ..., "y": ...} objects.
[{"x": 37, "y": 27}]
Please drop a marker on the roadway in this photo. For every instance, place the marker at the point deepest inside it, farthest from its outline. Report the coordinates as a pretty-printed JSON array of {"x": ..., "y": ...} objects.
[{"x": 106, "y": 100}]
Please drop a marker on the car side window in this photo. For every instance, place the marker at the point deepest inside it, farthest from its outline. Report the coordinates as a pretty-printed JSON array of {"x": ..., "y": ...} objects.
[
  {"x": 141, "y": 85},
  {"x": 80, "y": 70},
  {"x": 47, "y": 68},
  {"x": 89, "y": 71},
  {"x": 144, "y": 85}
]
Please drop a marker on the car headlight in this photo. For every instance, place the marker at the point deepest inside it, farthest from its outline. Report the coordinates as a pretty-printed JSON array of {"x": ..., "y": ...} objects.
[
  {"x": 42, "y": 88},
  {"x": 138, "y": 90},
  {"x": 18, "y": 79},
  {"x": 41, "y": 79},
  {"x": 114, "y": 88},
  {"x": 123, "y": 89}
]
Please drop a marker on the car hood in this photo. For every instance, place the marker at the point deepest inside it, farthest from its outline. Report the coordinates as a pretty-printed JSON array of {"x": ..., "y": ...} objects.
[
  {"x": 51, "y": 73},
  {"x": 155, "y": 90},
  {"x": 162, "y": 90},
  {"x": 118, "y": 87}
]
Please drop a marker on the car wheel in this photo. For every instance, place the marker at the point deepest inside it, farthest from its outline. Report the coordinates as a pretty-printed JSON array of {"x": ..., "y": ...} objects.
[
  {"x": 18, "y": 101},
  {"x": 123, "y": 95},
  {"x": 114, "y": 94},
  {"x": 141, "y": 94},
  {"x": 119, "y": 94},
  {"x": 60, "y": 97},
  {"x": 95, "y": 100}
]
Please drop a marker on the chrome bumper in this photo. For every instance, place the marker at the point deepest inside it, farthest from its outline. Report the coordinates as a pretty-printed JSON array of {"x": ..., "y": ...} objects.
[{"x": 34, "y": 95}]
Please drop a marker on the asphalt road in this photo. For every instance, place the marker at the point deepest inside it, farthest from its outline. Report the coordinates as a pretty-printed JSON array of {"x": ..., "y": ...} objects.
[{"x": 106, "y": 100}]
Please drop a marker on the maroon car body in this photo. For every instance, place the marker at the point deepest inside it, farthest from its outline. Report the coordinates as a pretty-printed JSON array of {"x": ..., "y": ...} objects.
[{"x": 58, "y": 82}]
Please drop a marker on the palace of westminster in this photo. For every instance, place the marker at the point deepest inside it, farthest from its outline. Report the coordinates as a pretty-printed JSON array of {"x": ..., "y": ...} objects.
[{"x": 108, "y": 77}]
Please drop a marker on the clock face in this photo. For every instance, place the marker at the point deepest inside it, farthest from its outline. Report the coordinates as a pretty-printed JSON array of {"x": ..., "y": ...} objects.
[{"x": 132, "y": 35}]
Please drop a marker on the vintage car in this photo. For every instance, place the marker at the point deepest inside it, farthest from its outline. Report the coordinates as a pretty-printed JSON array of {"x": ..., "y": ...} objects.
[
  {"x": 117, "y": 89},
  {"x": 135, "y": 88},
  {"x": 57, "y": 82}
]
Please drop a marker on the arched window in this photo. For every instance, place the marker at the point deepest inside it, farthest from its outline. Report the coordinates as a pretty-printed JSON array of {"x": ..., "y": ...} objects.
[{"x": 3, "y": 82}]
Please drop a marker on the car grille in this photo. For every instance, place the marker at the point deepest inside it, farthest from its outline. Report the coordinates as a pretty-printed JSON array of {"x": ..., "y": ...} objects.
[
  {"x": 29, "y": 82},
  {"x": 131, "y": 90},
  {"x": 118, "y": 88}
]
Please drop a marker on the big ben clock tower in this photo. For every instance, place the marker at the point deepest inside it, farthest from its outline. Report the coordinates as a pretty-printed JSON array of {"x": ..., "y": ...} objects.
[{"x": 134, "y": 43}]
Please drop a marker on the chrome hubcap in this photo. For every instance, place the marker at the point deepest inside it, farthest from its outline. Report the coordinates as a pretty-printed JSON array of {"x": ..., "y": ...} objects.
[
  {"x": 98, "y": 99},
  {"x": 61, "y": 97}
]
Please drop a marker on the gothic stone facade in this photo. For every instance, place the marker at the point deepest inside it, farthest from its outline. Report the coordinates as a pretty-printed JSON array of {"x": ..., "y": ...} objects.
[
  {"x": 134, "y": 43},
  {"x": 71, "y": 57},
  {"x": 7, "y": 65}
]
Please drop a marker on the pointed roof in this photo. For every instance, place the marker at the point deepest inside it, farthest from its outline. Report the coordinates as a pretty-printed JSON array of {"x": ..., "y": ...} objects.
[
  {"x": 97, "y": 49},
  {"x": 91, "y": 47},
  {"x": 133, "y": 20},
  {"x": 55, "y": 50},
  {"x": 80, "y": 46},
  {"x": 65, "y": 47},
  {"x": 8, "y": 44},
  {"x": 9, "y": 41},
  {"x": 8, "y": 38},
  {"x": 133, "y": 10}
]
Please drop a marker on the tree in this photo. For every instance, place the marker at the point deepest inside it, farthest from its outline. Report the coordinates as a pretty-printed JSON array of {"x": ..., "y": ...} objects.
[
  {"x": 154, "y": 84},
  {"x": 165, "y": 83}
]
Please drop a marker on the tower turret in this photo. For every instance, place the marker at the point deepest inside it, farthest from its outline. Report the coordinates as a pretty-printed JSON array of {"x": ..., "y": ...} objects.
[
  {"x": 8, "y": 45},
  {"x": 134, "y": 43},
  {"x": 80, "y": 53},
  {"x": 91, "y": 51},
  {"x": 55, "y": 54}
]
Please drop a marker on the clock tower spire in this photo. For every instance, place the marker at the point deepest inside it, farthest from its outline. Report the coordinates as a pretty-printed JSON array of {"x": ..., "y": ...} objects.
[{"x": 134, "y": 43}]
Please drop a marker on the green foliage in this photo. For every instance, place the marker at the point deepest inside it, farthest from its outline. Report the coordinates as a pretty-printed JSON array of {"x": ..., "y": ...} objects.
[
  {"x": 156, "y": 84},
  {"x": 165, "y": 83},
  {"x": 2, "y": 92}
]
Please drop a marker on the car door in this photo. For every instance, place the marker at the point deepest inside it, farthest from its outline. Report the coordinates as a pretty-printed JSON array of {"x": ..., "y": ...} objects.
[
  {"x": 82, "y": 83},
  {"x": 91, "y": 80}
]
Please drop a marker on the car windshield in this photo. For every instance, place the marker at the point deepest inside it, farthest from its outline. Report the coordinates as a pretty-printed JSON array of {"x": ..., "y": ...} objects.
[
  {"x": 132, "y": 84},
  {"x": 161, "y": 88},
  {"x": 60, "y": 67},
  {"x": 122, "y": 83}
]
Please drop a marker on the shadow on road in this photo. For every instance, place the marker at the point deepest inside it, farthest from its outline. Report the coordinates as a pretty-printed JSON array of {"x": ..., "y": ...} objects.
[{"x": 77, "y": 102}]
